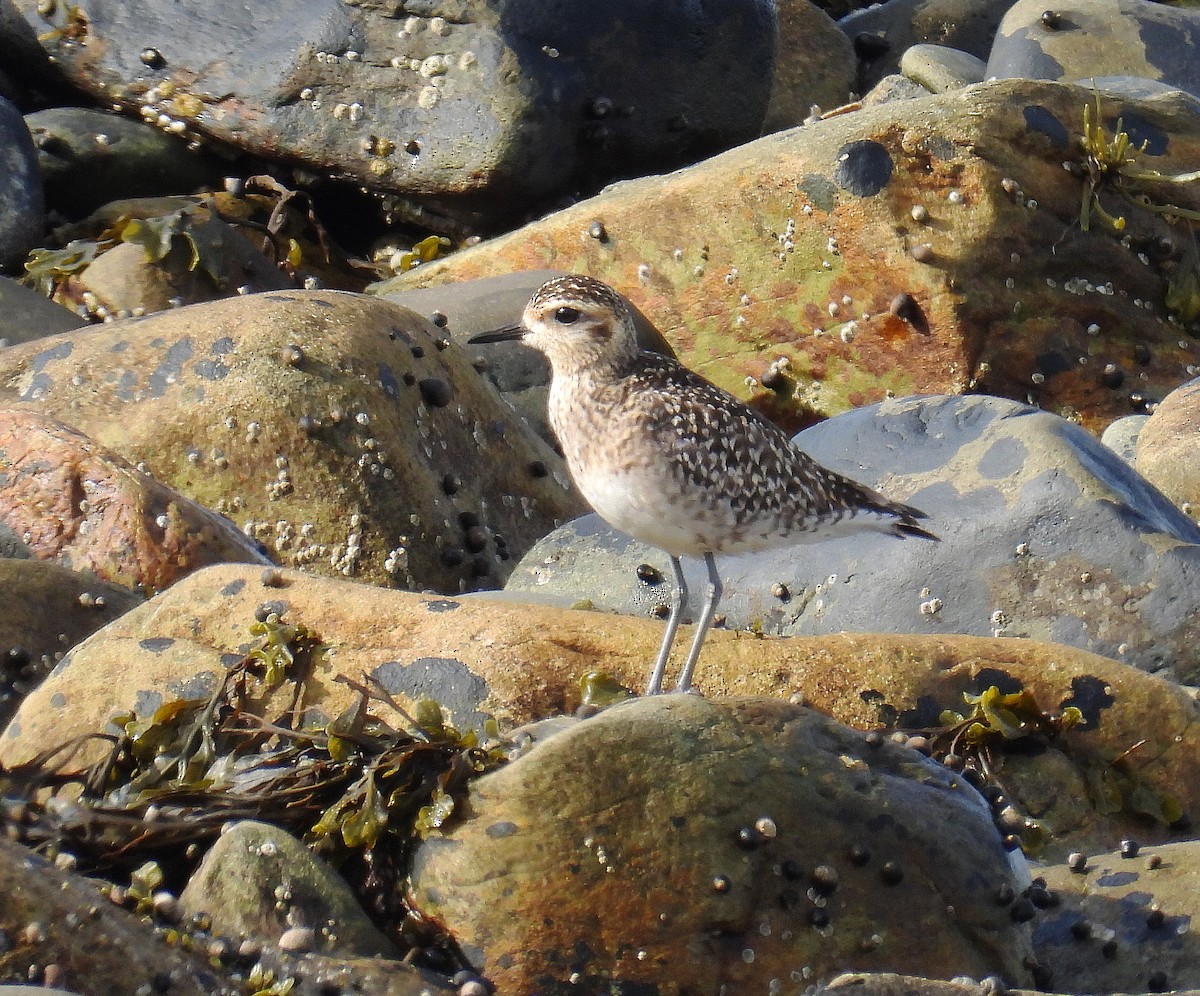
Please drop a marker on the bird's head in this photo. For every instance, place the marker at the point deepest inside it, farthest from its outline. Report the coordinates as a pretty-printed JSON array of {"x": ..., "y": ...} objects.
[{"x": 579, "y": 322}]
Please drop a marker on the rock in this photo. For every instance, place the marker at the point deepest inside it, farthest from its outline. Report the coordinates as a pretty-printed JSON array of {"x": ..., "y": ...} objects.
[
  {"x": 62, "y": 920},
  {"x": 913, "y": 247},
  {"x": 260, "y": 882},
  {"x": 477, "y": 110},
  {"x": 1124, "y": 926},
  {"x": 890, "y": 984},
  {"x": 332, "y": 427},
  {"x": 882, "y": 33},
  {"x": 26, "y": 315},
  {"x": 22, "y": 214},
  {"x": 814, "y": 65},
  {"x": 124, "y": 281},
  {"x": 78, "y": 503},
  {"x": 46, "y": 611},
  {"x": 940, "y": 69},
  {"x": 1087, "y": 38},
  {"x": 1102, "y": 781},
  {"x": 1168, "y": 448},
  {"x": 1045, "y": 534},
  {"x": 519, "y": 372},
  {"x": 893, "y": 87},
  {"x": 88, "y": 157},
  {"x": 1121, "y": 436},
  {"x": 96, "y": 946},
  {"x": 148, "y": 254},
  {"x": 711, "y": 849}
]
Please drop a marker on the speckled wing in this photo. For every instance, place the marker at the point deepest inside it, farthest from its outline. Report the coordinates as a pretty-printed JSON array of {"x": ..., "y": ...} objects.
[{"x": 743, "y": 468}]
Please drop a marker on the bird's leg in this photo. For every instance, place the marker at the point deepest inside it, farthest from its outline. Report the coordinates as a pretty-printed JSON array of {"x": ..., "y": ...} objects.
[
  {"x": 702, "y": 624},
  {"x": 677, "y": 604}
]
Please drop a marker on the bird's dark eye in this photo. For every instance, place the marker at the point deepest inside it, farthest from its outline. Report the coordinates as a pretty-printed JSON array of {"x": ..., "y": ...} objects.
[{"x": 566, "y": 316}]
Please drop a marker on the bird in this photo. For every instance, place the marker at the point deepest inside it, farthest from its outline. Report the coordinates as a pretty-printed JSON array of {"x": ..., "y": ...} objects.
[{"x": 670, "y": 459}]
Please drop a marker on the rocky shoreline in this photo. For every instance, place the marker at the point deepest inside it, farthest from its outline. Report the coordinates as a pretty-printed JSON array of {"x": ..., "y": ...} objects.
[{"x": 287, "y": 561}]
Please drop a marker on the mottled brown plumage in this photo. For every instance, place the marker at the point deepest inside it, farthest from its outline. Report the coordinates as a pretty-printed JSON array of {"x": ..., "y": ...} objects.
[{"x": 674, "y": 461}]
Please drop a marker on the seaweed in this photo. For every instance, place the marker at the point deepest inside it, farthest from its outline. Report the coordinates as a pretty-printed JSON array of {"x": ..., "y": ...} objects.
[
  {"x": 996, "y": 723},
  {"x": 360, "y": 790}
]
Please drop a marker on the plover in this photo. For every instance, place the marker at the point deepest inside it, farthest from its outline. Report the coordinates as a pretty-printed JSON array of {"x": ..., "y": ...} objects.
[{"x": 674, "y": 461}]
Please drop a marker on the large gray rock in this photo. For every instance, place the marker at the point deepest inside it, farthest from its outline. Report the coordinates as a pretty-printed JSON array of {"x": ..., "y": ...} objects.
[
  {"x": 1045, "y": 533},
  {"x": 482, "y": 107},
  {"x": 1095, "y": 38},
  {"x": 21, "y": 209}
]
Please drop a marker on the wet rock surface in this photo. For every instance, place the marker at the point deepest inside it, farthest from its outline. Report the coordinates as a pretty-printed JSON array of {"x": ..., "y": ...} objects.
[{"x": 757, "y": 849}]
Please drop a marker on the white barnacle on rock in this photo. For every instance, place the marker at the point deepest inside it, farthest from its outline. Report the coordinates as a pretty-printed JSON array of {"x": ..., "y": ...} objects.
[{"x": 434, "y": 65}]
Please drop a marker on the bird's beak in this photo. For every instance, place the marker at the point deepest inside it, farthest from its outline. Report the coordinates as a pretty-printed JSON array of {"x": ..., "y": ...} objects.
[{"x": 502, "y": 334}]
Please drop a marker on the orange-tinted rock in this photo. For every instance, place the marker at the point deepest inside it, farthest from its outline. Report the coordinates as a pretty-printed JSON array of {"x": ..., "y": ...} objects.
[
  {"x": 523, "y": 662},
  {"x": 795, "y": 247},
  {"x": 76, "y": 502}
]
